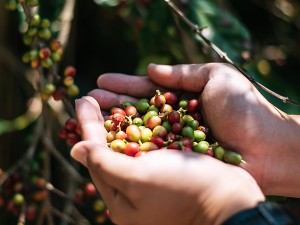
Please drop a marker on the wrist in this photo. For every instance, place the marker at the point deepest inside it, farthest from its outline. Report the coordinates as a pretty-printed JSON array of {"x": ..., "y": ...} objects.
[
  {"x": 282, "y": 166},
  {"x": 236, "y": 192}
]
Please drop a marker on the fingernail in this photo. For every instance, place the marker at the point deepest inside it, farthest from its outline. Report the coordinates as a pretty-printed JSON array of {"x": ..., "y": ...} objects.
[{"x": 79, "y": 153}]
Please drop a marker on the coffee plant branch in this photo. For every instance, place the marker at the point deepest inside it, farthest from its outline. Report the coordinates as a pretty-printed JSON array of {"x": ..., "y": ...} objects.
[{"x": 223, "y": 55}]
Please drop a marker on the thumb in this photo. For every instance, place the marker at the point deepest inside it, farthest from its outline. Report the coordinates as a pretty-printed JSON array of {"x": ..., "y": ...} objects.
[
  {"x": 81, "y": 150},
  {"x": 191, "y": 77}
]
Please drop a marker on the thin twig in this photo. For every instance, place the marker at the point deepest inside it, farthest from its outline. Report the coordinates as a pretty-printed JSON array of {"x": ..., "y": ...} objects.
[
  {"x": 58, "y": 192},
  {"x": 22, "y": 216},
  {"x": 26, "y": 10},
  {"x": 58, "y": 213},
  {"x": 62, "y": 160},
  {"x": 29, "y": 153},
  {"x": 223, "y": 55},
  {"x": 79, "y": 217}
]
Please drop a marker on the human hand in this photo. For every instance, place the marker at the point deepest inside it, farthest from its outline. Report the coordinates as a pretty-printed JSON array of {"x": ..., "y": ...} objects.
[
  {"x": 240, "y": 118},
  {"x": 163, "y": 187}
]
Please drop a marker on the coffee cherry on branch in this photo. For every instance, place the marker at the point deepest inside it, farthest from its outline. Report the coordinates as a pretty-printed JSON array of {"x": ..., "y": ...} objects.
[
  {"x": 32, "y": 3},
  {"x": 44, "y": 53},
  {"x": 69, "y": 71}
]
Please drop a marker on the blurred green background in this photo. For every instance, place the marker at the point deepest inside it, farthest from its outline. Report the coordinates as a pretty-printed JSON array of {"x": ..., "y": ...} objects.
[{"x": 262, "y": 37}]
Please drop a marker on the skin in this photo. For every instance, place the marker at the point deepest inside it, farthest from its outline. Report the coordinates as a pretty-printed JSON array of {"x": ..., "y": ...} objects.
[
  {"x": 165, "y": 187},
  {"x": 240, "y": 118}
]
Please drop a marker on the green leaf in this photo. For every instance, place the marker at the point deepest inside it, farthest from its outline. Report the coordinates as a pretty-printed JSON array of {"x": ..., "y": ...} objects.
[{"x": 222, "y": 28}]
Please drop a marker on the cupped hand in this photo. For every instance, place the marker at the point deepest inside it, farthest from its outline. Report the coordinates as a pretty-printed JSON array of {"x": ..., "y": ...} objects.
[
  {"x": 240, "y": 118},
  {"x": 163, "y": 187}
]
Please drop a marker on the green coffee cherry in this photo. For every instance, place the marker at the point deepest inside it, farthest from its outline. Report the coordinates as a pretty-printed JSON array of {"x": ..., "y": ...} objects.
[
  {"x": 219, "y": 152},
  {"x": 232, "y": 158},
  {"x": 201, "y": 147},
  {"x": 32, "y": 3}
]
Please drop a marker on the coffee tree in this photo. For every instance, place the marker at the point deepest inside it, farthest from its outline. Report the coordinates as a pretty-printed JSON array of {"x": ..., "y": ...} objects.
[{"x": 43, "y": 185}]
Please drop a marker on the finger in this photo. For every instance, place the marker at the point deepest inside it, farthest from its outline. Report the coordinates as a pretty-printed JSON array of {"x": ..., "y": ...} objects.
[
  {"x": 90, "y": 120},
  {"x": 108, "y": 99},
  {"x": 117, "y": 202},
  {"x": 137, "y": 86},
  {"x": 192, "y": 77},
  {"x": 114, "y": 168}
]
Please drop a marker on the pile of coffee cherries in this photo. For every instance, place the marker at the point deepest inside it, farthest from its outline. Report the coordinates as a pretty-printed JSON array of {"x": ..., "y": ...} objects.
[{"x": 162, "y": 122}]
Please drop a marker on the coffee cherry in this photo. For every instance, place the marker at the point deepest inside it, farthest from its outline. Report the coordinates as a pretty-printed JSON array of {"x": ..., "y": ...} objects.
[
  {"x": 90, "y": 190},
  {"x": 35, "y": 20},
  {"x": 32, "y": 3},
  {"x": 49, "y": 89},
  {"x": 56, "y": 57},
  {"x": 118, "y": 118},
  {"x": 159, "y": 131},
  {"x": 121, "y": 135},
  {"x": 44, "y": 33},
  {"x": 47, "y": 63},
  {"x": 73, "y": 90},
  {"x": 99, "y": 205},
  {"x": 11, "y": 5},
  {"x": 167, "y": 125},
  {"x": 201, "y": 147},
  {"x": 183, "y": 103},
  {"x": 142, "y": 106},
  {"x": 232, "y": 158},
  {"x": 219, "y": 152},
  {"x": 171, "y": 137},
  {"x": 70, "y": 124},
  {"x": 188, "y": 132},
  {"x": 18, "y": 199},
  {"x": 149, "y": 115},
  {"x": 45, "y": 23},
  {"x": 170, "y": 97},
  {"x": 166, "y": 108},
  {"x": 159, "y": 100},
  {"x": 158, "y": 141},
  {"x": 199, "y": 135},
  {"x": 176, "y": 128},
  {"x": 137, "y": 121},
  {"x": 69, "y": 71},
  {"x": 44, "y": 53},
  {"x": 59, "y": 93},
  {"x": 192, "y": 105},
  {"x": 132, "y": 148},
  {"x": 118, "y": 145},
  {"x": 68, "y": 81},
  {"x": 119, "y": 110},
  {"x": 111, "y": 136},
  {"x": 193, "y": 124},
  {"x": 174, "y": 117},
  {"x": 133, "y": 133},
  {"x": 148, "y": 146},
  {"x": 146, "y": 134},
  {"x": 55, "y": 45},
  {"x": 27, "y": 39},
  {"x": 187, "y": 118},
  {"x": 130, "y": 110},
  {"x": 174, "y": 145},
  {"x": 153, "y": 122}
]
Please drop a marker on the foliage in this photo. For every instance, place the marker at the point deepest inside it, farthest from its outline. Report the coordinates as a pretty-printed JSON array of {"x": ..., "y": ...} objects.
[{"x": 124, "y": 36}]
